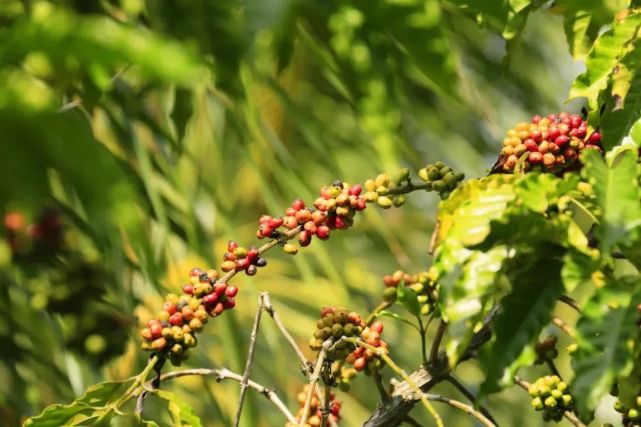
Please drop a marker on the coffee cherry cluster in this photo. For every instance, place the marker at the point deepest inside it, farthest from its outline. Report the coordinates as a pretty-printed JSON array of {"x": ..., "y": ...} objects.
[
  {"x": 333, "y": 209},
  {"x": 424, "y": 284},
  {"x": 316, "y": 408},
  {"x": 441, "y": 178},
  {"x": 365, "y": 359},
  {"x": 551, "y": 396},
  {"x": 551, "y": 143},
  {"x": 380, "y": 189},
  {"x": 630, "y": 416},
  {"x": 238, "y": 258},
  {"x": 173, "y": 331},
  {"x": 334, "y": 324},
  {"x": 546, "y": 349},
  {"x": 44, "y": 237}
]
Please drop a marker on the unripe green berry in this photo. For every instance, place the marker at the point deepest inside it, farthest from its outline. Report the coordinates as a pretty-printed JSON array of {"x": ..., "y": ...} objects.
[
  {"x": 439, "y": 186},
  {"x": 433, "y": 174},
  {"x": 567, "y": 399},
  {"x": 550, "y": 402},
  {"x": 450, "y": 179},
  {"x": 633, "y": 414},
  {"x": 423, "y": 174},
  {"x": 556, "y": 393},
  {"x": 399, "y": 200}
]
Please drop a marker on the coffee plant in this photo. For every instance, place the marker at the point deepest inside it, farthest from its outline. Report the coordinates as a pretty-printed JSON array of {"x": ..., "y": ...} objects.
[{"x": 527, "y": 286}]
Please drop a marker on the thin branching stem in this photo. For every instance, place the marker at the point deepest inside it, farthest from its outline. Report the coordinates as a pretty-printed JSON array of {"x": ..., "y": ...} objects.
[
  {"x": 313, "y": 380},
  {"x": 460, "y": 387},
  {"x": 440, "y": 332},
  {"x": 250, "y": 359},
  {"x": 463, "y": 407}
]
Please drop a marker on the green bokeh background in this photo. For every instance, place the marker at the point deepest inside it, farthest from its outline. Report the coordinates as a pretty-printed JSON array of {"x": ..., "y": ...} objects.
[{"x": 161, "y": 129}]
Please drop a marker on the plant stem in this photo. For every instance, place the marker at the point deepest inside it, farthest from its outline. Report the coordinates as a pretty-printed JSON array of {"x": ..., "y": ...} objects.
[
  {"x": 383, "y": 355},
  {"x": 250, "y": 360},
  {"x": 326, "y": 409},
  {"x": 313, "y": 380},
  {"x": 267, "y": 304},
  {"x": 571, "y": 302},
  {"x": 225, "y": 374},
  {"x": 462, "y": 406},
  {"x": 460, "y": 387},
  {"x": 372, "y": 316},
  {"x": 564, "y": 327},
  {"x": 423, "y": 343},
  {"x": 442, "y": 326}
]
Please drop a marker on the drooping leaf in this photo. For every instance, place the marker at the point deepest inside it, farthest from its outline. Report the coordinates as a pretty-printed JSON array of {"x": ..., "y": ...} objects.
[
  {"x": 535, "y": 276},
  {"x": 181, "y": 413},
  {"x": 607, "y": 323},
  {"x": 81, "y": 409},
  {"x": 617, "y": 194},
  {"x": 603, "y": 57},
  {"x": 387, "y": 313}
]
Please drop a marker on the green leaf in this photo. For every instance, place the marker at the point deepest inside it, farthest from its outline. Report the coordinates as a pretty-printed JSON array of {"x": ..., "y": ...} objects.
[
  {"x": 83, "y": 408},
  {"x": 602, "y": 59},
  {"x": 617, "y": 123},
  {"x": 576, "y": 24},
  {"x": 467, "y": 284},
  {"x": 181, "y": 413},
  {"x": 535, "y": 276},
  {"x": 617, "y": 195},
  {"x": 408, "y": 299},
  {"x": 607, "y": 324},
  {"x": 387, "y": 313}
]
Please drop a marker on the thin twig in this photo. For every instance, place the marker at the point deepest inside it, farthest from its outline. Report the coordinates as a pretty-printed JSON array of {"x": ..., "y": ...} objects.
[
  {"x": 460, "y": 387},
  {"x": 378, "y": 380},
  {"x": 372, "y": 316},
  {"x": 267, "y": 304},
  {"x": 226, "y": 374},
  {"x": 383, "y": 355},
  {"x": 570, "y": 301},
  {"x": 552, "y": 367},
  {"x": 569, "y": 415},
  {"x": 422, "y": 331},
  {"x": 313, "y": 380},
  {"x": 250, "y": 360},
  {"x": 326, "y": 409},
  {"x": 442, "y": 326},
  {"x": 462, "y": 406}
]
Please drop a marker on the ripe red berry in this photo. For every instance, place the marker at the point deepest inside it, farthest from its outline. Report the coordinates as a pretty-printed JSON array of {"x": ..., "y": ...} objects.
[
  {"x": 231, "y": 291},
  {"x": 322, "y": 232},
  {"x": 355, "y": 190},
  {"x": 298, "y": 204},
  {"x": 220, "y": 288},
  {"x": 211, "y": 298},
  {"x": 595, "y": 137},
  {"x": 562, "y": 140},
  {"x": 188, "y": 289},
  {"x": 535, "y": 158},
  {"x": 229, "y": 303},
  {"x": 169, "y": 307},
  {"x": 531, "y": 145},
  {"x": 176, "y": 319}
]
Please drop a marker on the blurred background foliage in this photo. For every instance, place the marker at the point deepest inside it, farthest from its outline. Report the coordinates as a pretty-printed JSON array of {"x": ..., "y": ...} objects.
[{"x": 140, "y": 135}]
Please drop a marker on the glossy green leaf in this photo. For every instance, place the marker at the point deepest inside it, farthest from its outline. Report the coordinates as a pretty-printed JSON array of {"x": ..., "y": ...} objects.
[
  {"x": 408, "y": 299},
  {"x": 617, "y": 123},
  {"x": 617, "y": 194},
  {"x": 607, "y": 324},
  {"x": 181, "y": 413},
  {"x": 535, "y": 276},
  {"x": 603, "y": 57},
  {"x": 81, "y": 409}
]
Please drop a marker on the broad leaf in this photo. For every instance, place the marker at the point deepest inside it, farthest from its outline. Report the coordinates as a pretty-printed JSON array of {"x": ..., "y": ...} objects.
[
  {"x": 181, "y": 413},
  {"x": 617, "y": 194},
  {"x": 617, "y": 123},
  {"x": 607, "y": 323},
  {"x": 603, "y": 57},
  {"x": 81, "y": 409},
  {"x": 536, "y": 284}
]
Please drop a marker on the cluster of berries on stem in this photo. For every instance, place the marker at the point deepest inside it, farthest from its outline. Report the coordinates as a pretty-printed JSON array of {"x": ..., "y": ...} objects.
[
  {"x": 316, "y": 409},
  {"x": 336, "y": 323},
  {"x": 238, "y": 258},
  {"x": 552, "y": 144},
  {"x": 441, "y": 178},
  {"x": 551, "y": 396},
  {"x": 173, "y": 331},
  {"x": 366, "y": 360}
]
